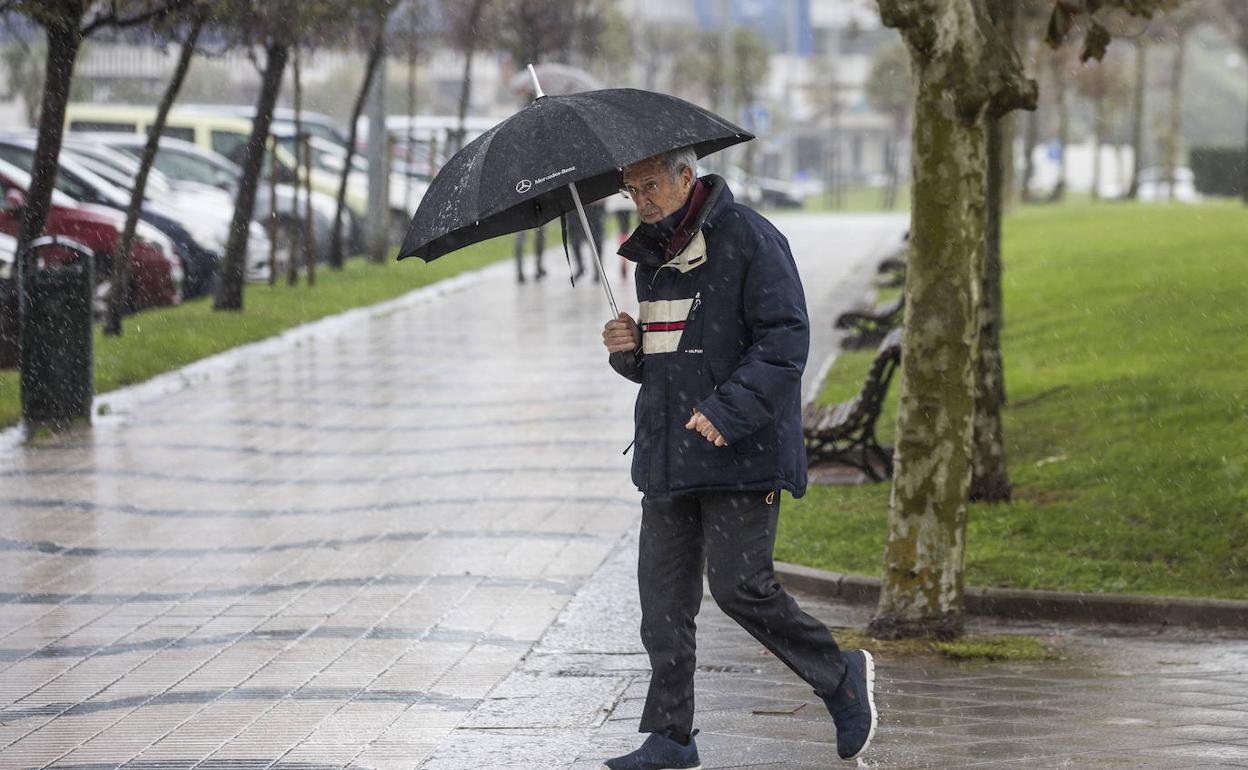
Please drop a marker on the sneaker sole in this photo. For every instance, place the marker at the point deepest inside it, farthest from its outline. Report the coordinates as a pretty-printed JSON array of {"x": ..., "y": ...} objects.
[
  {"x": 695, "y": 767},
  {"x": 870, "y": 704}
]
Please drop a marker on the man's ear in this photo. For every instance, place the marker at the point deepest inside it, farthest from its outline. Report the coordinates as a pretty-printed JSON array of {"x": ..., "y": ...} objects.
[{"x": 686, "y": 175}]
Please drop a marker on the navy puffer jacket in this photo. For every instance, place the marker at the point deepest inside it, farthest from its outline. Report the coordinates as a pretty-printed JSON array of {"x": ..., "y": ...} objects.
[{"x": 724, "y": 331}]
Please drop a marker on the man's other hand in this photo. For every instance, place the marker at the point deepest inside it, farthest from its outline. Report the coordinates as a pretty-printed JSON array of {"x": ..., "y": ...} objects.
[
  {"x": 702, "y": 425},
  {"x": 622, "y": 334}
]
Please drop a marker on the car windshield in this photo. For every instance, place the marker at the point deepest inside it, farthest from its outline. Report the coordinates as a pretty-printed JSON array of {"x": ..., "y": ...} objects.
[
  {"x": 15, "y": 176},
  {"x": 121, "y": 171}
]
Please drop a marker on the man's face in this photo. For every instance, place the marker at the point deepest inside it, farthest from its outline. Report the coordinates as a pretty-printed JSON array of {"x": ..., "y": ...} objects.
[{"x": 654, "y": 191}]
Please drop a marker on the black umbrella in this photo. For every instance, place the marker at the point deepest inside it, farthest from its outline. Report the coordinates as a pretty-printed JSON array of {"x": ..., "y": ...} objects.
[{"x": 550, "y": 158}]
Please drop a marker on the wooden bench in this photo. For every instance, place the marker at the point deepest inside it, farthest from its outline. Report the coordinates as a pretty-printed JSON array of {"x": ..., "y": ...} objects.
[
  {"x": 868, "y": 327},
  {"x": 844, "y": 433},
  {"x": 892, "y": 270}
]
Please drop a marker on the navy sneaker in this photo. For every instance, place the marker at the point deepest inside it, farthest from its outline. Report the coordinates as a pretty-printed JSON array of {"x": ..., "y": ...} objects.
[
  {"x": 853, "y": 705},
  {"x": 659, "y": 753}
]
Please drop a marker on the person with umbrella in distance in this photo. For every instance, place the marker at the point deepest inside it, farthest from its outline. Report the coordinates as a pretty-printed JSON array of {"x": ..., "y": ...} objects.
[{"x": 718, "y": 349}]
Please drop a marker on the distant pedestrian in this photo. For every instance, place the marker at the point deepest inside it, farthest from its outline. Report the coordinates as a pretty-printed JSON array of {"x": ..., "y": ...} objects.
[
  {"x": 539, "y": 246},
  {"x": 595, "y": 214},
  {"x": 719, "y": 349},
  {"x": 622, "y": 208}
]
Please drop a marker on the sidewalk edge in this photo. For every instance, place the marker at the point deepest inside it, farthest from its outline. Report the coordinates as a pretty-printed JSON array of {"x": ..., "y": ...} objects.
[
  {"x": 119, "y": 401},
  {"x": 1022, "y": 604}
]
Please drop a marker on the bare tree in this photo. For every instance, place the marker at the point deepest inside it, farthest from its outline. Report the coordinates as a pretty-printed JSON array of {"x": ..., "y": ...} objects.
[
  {"x": 66, "y": 24},
  {"x": 1175, "y": 27},
  {"x": 890, "y": 90},
  {"x": 119, "y": 294},
  {"x": 1060, "y": 63},
  {"x": 751, "y": 57},
  {"x": 990, "y": 477},
  {"x": 273, "y": 26},
  {"x": 376, "y": 49},
  {"x": 530, "y": 31},
  {"x": 965, "y": 73},
  {"x": 469, "y": 25},
  {"x": 1139, "y": 89},
  {"x": 1105, "y": 85},
  {"x": 1237, "y": 12},
  {"x": 269, "y": 25}
]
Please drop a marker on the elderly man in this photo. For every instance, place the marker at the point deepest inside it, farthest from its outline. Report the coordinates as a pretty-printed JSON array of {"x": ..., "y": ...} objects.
[{"x": 718, "y": 349}]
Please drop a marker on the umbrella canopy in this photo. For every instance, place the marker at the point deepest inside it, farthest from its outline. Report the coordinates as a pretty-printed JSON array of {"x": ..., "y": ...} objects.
[{"x": 528, "y": 169}]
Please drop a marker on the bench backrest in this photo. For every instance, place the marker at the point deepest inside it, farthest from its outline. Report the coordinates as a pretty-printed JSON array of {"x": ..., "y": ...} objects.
[{"x": 887, "y": 357}]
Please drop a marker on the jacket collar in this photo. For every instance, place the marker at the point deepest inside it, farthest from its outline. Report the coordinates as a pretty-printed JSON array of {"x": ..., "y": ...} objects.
[{"x": 647, "y": 245}]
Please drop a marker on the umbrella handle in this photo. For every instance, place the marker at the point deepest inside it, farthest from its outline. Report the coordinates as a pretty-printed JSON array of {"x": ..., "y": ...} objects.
[{"x": 593, "y": 249}]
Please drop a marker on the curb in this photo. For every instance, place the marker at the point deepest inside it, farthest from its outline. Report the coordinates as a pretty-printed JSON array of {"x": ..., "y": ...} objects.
[
  {"x": 1020, "y": 604},
  {"x": 121, "y": 401}
]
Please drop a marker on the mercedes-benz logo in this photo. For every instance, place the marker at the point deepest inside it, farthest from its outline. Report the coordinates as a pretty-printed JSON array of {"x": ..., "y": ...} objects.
[{"x": 523, "y": 186}]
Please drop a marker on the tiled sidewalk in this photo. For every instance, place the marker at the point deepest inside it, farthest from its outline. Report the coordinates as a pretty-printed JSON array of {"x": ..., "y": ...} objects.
[
  {"x": 407, "y": 543},
  {"x": 326, "y": 557},
  {"x": 329, "y": 554}
]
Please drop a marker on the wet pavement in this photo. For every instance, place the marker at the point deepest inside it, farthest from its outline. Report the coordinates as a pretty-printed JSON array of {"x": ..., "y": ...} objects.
[{"x": 406, "y": 539}]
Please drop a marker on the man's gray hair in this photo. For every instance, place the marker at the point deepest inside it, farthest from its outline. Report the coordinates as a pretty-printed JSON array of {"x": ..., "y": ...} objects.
[{"x": 676, "y": 160}]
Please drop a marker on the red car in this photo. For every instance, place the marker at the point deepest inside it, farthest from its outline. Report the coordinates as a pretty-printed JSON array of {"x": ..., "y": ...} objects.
[{"x": 155, "y": 275}]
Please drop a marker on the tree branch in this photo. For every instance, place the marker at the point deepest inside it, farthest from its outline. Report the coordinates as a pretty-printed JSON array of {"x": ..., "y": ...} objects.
[{"x": 112, "y": 19}]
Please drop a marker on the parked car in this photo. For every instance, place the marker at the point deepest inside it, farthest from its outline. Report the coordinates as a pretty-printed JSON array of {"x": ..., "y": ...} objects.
[
  {"x": 155, "y": 276},
  {"x": 780, "y": 194},
  {"x": 74, "y": 178},
  {"x": 315, "y": 123},
  {"x": 224, "y": 134},
  {"x": 8, "y": 256},
  {"x": 206, "y": 214},
  {"x": 329, "y": 159},
  {"x": 192, "y": 169}
]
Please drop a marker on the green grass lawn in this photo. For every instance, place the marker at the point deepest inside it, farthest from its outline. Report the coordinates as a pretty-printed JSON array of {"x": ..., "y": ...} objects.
[
  {"x": 1126, "y": 351},
  {"x": 163, "y": 339}
]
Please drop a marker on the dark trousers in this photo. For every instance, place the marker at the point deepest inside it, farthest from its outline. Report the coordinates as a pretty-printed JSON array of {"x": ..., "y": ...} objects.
[
  {"x": 539, "y": 246},
  {"x": 733, "y": 535}
]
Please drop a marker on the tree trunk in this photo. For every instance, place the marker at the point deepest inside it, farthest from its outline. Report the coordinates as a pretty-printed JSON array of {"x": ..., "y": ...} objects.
[
  {"x": 1009, "y": 166},
  {"x": 370, "y": 67},
  {"x": 412, "y": 37},
  {"x": 465, "y": 87},
  {"x": 301, "y": 158},
  {"x": 990, "y": 478},
  {"x": 964, "y": 75},
  {"x": 64, "y": 41},
  {"x": 1061, "y": 93},
  {"x": 1137, "y": 118},
  {"x": 1098, "y": 139},
  {"x": 1174, "y": 128},
  {"x": 63, "y": 44},
  {"x": 229, "y": 294},
  {"x": 927, "y": 518},
  {"x": 309, "y": 229},
  {"x": 119, "y": 297},
  {"x": 1031, "y": 138},
  {"x": 1243, "y": 169}
]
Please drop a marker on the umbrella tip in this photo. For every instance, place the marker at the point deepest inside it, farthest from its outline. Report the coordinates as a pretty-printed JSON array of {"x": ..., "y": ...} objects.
[{"x": 537, "y": 87}]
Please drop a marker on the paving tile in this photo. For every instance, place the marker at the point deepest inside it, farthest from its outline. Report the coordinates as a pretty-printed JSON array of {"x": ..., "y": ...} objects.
[{"x": 335, "y": 555}]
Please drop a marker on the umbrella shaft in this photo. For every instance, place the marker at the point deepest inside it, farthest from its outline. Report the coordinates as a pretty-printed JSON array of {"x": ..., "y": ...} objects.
[{"x": 593, "y": 249}]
